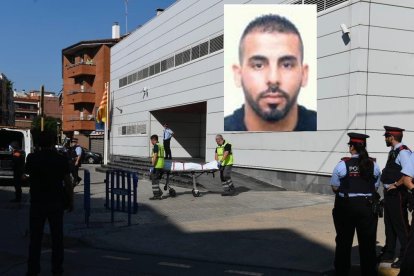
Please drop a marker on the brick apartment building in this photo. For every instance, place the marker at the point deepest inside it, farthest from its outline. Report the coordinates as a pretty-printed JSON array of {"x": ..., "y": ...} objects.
[
  {"x": 6, "y": 101},
  {"x": 26, "y": 107},
  {"x": 85, "y": 70}
]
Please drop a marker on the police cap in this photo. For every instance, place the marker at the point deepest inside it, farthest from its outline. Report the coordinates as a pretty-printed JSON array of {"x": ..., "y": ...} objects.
[
  {"x": 357, "y": 138},
  {"x": 393, "y": 131}
]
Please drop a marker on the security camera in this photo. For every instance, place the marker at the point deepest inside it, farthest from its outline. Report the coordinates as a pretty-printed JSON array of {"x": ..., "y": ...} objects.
[{"x": 345, "y": 29}]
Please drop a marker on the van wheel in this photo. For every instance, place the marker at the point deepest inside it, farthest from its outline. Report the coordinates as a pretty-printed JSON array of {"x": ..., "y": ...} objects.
[{"x": 90, "y": 160}]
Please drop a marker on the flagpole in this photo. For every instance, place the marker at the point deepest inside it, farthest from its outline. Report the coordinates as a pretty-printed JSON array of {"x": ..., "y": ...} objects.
[{"x": 106, "y": 132}]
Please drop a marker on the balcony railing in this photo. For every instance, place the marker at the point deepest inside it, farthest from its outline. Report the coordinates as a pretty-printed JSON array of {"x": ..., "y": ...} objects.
[
  {"x": 87, "y": 117},
  {"x": 26, "y": 110},
  {"x": 81, "y": 90},
  {"x": 79, "y": 123},
  {"x": 79, "y": 69},
  {"x": 76, "y": 96}
]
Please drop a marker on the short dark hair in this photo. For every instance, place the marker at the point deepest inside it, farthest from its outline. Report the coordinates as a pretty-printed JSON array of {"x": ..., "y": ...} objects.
[
  {"x": 398, "y": 138},
  {"x": 270, "y": 23},
  {"x": 154, "y": 137},
  {"x": 46, "y": 139}
]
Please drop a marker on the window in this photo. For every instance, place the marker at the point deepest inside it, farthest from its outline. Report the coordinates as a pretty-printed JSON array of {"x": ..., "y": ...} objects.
[
  {"x": 186, "y": 56},
  {"x": 204, "y": 49},
  {"x": 195, "y": 52},
  {"x": 216, "y": 44},
  {"x": 178, "y": 59}
]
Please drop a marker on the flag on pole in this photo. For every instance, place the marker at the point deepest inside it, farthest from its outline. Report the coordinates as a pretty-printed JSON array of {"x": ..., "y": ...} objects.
[{"x": 102, "y": 111}]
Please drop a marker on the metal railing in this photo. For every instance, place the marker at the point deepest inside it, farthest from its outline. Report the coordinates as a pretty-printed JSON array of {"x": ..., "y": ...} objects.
[
  {"x": 76, "y": 91},
  {"x": 87, "y": 117},
  {"x": 88, "y": 62}
]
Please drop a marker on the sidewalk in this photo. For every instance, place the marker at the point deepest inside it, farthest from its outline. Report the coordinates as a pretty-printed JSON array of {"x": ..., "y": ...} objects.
[{"x": 263, "y": 227}]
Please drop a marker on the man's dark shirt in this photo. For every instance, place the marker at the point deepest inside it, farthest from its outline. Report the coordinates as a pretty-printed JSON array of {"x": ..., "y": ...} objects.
[
  {"x": 306, "y": 120},
  {"x": 46, "y": 169},
  {"x": 155, "y": 149}
]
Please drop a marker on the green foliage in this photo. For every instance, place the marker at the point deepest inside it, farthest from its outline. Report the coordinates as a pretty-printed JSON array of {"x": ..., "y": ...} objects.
[{"x": 50, "y": 125}]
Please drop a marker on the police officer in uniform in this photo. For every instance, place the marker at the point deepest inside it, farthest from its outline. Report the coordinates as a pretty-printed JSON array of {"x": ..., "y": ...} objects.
[
  {"x": 355, "y": 181},
  {"x": 157, "y": 162},
  {"x": 395, "y": 195},
  {"x": 224, "y": 157}
]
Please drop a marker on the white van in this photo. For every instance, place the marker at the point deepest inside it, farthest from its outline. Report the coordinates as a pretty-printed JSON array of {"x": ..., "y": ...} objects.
[{"x": 8, "y": 135}]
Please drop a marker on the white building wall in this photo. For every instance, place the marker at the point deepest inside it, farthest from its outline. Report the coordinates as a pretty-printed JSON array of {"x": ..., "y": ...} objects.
[{"x": 361, "y": 86}]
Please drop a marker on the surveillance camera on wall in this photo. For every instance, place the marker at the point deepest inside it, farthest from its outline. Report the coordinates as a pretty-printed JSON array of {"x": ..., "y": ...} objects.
[{"x": 345, "y": 29}]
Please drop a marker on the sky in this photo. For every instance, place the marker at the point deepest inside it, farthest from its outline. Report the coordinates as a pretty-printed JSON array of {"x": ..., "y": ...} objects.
[{"x": 34, "y": 32}]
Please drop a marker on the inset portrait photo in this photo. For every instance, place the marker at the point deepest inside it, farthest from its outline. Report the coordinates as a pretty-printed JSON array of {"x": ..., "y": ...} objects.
[{"x": 270, "y": 63}]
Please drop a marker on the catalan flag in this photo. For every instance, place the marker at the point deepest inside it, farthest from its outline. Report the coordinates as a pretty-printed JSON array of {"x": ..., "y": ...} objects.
[{"x": 103, "y": 107}]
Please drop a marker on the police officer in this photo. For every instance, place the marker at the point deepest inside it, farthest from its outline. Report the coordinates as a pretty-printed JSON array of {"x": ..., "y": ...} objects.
[
  {"x": 18, "y": 160},
  {"x": 224, "y": 157},
  {"x": 157, "y": 162},
  {"x": 355, "y": 181},
  {"x": 76, "y": 154},
  {"x": 407, "y": 264},
  {"x": 395, "y": 211}
]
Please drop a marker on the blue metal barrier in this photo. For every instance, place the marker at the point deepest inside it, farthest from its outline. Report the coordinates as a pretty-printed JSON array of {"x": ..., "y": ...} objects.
[
  {"x": 87, "y": 195},
  {"x": 121, "y": 186}
]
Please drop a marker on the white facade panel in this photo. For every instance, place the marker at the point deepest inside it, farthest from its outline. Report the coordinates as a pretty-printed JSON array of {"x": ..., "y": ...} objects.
[
  {"x": 385, "y": 85},
  {"x": 391, "y": 62},
  {"x": 391, "y": 40},
  {"x": 402, "y": 17},
  {"x": 392, "y": 111}
]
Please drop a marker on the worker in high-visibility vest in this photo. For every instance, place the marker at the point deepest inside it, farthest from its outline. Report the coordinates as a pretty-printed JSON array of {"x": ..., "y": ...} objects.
[
  {"x": 224, "y": 157},
  {"x": 157, "y": 162}
]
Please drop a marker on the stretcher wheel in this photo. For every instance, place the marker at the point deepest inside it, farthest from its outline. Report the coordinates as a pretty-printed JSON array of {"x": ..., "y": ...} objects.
[
  {"x": 196, "y": 193},
  {"x": 165, "y": 187},
  {"x": 171, "y": 192}
]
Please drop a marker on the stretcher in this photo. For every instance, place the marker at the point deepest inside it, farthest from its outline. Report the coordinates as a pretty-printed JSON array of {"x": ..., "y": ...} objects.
[{"x": 195, "y": 170}]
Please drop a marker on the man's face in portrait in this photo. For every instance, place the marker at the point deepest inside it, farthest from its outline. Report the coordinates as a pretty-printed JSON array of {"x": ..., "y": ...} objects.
[{"x": 271, "y": 73}]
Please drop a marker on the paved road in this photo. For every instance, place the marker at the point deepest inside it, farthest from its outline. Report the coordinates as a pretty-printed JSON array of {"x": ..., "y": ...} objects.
[{"x": 261, "y": 231}]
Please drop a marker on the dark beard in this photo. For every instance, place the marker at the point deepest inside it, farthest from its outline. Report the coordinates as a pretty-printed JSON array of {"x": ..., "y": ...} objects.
[
  {"x": 388, "y": 143},
  {"x": 274, "y": 115}
]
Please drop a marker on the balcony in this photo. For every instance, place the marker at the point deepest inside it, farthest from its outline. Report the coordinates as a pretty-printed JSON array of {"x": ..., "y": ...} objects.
[
  {"x": 80, "y": 69},
  {"x": 77, "y": 96},
  {"x": 80, "y": 123},
  {"x": 26, "y": 110}
]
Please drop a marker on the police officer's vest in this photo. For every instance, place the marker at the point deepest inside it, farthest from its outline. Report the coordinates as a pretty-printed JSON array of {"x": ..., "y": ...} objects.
[
  {"x": 160, "y": 160},
  {"x": 220, "y": 151},
  {"x": 353, "y": 182},
  {"x": 392, "y": 171}
]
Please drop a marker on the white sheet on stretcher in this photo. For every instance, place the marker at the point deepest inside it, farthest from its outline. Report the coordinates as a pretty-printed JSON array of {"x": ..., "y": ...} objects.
[{"x": 188, "y": 166}]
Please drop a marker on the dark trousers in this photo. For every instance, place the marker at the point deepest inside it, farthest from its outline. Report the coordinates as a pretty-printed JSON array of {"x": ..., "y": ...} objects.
[
  {"x": 396, "y": 222},
  {"x": 349, "y": 215},
  {"x": 407, "y": 266},
  {"x": 167, "y": 149},
  {"x": 156, "y": 176},
  {"x": 39, "y": 213},
  {"x": 225, "y": 177},
  {"x": 75, "y": 173},
  {"x": 17, "y": 181}
]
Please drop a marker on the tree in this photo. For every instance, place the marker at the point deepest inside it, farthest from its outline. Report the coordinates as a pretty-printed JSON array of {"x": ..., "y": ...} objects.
[{"x": 50, "y": 125}]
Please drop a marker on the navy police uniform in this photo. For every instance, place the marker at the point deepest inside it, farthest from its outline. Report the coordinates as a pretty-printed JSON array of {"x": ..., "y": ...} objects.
[
  {"x": 407, "y": 264},
  {"x": 353, "y": 211},
  {"x": 395, "y": 211}
]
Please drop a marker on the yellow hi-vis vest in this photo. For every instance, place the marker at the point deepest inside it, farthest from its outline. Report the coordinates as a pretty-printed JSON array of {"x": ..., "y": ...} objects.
[
  {"x": 220, "y": 152},
  {"x": 160, "y": 160}
]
